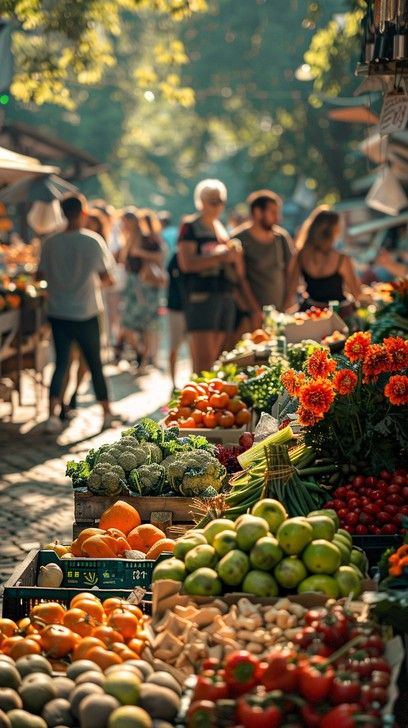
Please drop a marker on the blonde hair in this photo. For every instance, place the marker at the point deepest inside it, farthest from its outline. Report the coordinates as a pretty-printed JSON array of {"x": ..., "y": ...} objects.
[
  {"x": 206, "y": 186},
  {"x": 317, "y": 231}
]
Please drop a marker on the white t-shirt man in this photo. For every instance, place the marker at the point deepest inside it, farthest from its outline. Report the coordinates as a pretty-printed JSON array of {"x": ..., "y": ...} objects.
[{"x": 72, "y": 262}]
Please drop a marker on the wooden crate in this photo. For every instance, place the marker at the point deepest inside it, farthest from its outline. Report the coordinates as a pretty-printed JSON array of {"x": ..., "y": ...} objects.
[
  {"x": 172, "y": 514},
  {"x": 21, "y": 595}
]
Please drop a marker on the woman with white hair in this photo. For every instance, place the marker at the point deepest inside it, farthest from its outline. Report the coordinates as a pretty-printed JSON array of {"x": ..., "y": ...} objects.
[{"x": 212, "y": 267}]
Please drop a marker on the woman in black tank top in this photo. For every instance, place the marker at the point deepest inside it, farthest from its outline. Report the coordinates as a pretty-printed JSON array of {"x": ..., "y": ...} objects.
[{"x": 327, "y": 274}]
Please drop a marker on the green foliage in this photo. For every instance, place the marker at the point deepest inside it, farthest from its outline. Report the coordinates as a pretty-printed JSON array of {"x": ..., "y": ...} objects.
[{"x": 60, "y": 42}]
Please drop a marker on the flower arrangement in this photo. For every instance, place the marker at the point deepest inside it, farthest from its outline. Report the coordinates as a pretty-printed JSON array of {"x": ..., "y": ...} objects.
[{"x": 353, "y": 407}]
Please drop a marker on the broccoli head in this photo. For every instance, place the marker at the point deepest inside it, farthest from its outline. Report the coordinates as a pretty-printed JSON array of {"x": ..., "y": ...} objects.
[
  {"x": 106, "y": 479},
  {"x": 149, "y": 479},
  {"x": 130, "y": 459},
  {"x": 191, "y": 473},
  {"x": 155, "y": 453}
]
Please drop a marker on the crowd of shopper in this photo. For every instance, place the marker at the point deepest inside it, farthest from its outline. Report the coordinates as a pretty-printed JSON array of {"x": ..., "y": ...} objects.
[{"x": 117, "y": 271}]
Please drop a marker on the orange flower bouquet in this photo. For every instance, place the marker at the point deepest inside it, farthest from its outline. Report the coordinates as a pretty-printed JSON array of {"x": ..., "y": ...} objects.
[{"x": 353, "y": 407}]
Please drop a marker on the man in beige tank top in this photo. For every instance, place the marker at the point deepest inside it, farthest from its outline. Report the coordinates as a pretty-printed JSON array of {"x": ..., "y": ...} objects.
[{"x": 267, "y": 247}]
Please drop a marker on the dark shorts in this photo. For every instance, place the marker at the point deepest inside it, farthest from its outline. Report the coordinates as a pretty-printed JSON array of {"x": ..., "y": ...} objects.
[{"x": 210, "y": 312}]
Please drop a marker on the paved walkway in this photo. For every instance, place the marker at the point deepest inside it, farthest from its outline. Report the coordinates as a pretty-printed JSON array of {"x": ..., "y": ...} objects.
[{"x": 36, "y": 502}]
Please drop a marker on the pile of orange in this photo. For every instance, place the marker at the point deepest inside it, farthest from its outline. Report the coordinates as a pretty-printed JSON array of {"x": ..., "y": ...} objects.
[
  {"x": 120, "y": 529},
  {"x": 209, "y": 404},
  {"x": 108, "y": 632}
]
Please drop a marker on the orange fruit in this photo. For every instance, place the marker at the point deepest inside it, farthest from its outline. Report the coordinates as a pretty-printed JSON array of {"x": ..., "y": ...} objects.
[
  {"x": 103, "y": 657},
  {"x": 8, "y": 628},
  {"x": 124, "y": 622},
  {"x": 144, "y": 536},
  {"x": 120, "y": 515},
  {"x": 47, "y": 613},
  {"x": 10, "y": 642},
  {"x": 92, "y": 608},
  {"x": 107, "y": 635},
  {"x": 26, "y": 646},
  {"x": 79, "y": 621},
  {"x": 164, "y": 544},
  {"x": 84, "y": 646},
  {"x": 84, "y": 595},
  {"x": 58, "y": 641}
]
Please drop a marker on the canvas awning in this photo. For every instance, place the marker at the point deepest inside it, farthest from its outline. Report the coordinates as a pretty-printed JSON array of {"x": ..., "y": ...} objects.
[
  {"x": 380, "y": 223},
  {"x": 15, "y": 167}
]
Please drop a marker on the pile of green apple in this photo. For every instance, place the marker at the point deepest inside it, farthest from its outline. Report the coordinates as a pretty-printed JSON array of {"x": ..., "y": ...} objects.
[{"x": 266, "y": 554}]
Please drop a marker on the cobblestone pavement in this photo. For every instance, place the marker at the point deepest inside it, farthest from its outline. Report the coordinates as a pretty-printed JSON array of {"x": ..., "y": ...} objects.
[{"x": 36, "y": 502}]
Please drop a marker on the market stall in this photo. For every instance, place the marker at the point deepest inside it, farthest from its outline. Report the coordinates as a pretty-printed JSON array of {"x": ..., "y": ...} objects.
[{"x": 240, "y": 563}]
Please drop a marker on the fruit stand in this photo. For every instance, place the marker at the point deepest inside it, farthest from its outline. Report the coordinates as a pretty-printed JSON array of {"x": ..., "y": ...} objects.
[{"x": 258, "y": 580}]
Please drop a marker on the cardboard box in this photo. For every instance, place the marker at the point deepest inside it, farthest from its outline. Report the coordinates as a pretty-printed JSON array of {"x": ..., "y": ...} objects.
[{"x": 315, "y": 329}]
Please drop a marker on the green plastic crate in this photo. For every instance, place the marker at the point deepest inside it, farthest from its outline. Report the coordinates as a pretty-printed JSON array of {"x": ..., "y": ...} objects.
[{"x": 103, "y": 573}]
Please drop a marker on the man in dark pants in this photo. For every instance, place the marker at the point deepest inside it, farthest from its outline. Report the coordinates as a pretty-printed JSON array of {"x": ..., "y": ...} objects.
[{"x": 75, "y": 263}]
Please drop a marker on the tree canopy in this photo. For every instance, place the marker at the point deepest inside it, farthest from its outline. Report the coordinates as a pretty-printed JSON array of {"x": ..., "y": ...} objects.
[{"x": 213, "y": 94}]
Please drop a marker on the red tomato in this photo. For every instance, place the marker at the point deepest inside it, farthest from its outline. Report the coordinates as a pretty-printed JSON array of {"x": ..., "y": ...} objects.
[
  {"x": 230, "y": 388},
  {"x": 210, "y": 420},
  {"x": 394, "y": 489},
  {"x": 188, "y": 396},
  {"x": 385, "y": 475},
  {"x": 361, "y": 530},
  {"x": 188, "y": 424},
  {"x": 399, "y": 479},
  {"x": 216, "y": 385},
  {"x": 243, "y": 417},
  {"x": 359, "y": 481},
  {"x": 202, "y": 404},
  {"x": 226, "y": 419},
  {"x": 236, "y": 405},
  {"x": 219, "y": 401},
  {"x": 197, "y": 416}
]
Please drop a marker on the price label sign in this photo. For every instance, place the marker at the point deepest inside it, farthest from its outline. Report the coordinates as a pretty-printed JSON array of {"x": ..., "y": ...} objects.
[{"x": 394, "y": 113}]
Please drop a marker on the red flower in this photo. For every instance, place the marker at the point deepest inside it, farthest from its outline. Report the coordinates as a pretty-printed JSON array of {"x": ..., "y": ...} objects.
[
  {"x": 319, "y": 364},
  {"x": 356, "y": 346},
  {"x": 317, "y": 396},
  {"x": 397, "y": 348},
  {"x": 306, "y": 418},
  {"x": 292, "y": 381},
  {"x": 344, "y": 381},
  {"x": 376, "y": 361},
  {"x": 397, "y": 389}
]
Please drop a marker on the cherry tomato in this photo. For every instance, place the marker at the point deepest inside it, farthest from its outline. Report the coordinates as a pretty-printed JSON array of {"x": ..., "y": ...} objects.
[
  {"x": 381, "y": 664},
  {"x": 341, "y": 493},
  {"x": 371, "y": 481},
  {"x": 352, "y": 519},
  {"x": 399, "y": 479},
  {"x": 389, "y": 508},
  {"x": 353, "y": 503},
  {"x": 383, "y": 517},
  {"x": 395, "y": 500},
  {"x": 380, "y": 679},
  {"x": 389, "y": 529},
  {"x": 394, "y": 489},
  {"x": 385, "y": 475},
  {"x": 338, "y": 504},
  {"x": 358, "y": 481},
  {"x": 361, "y": 530}
]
